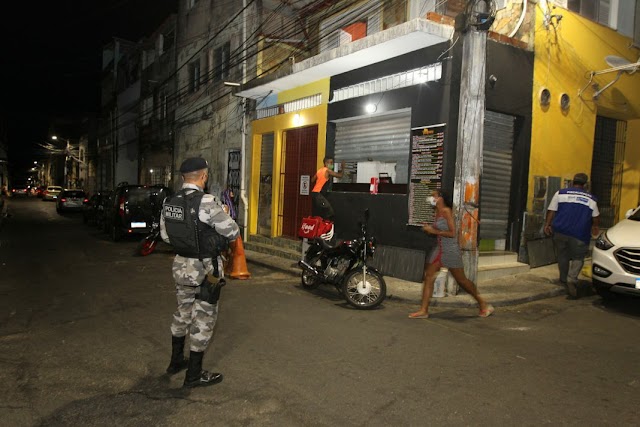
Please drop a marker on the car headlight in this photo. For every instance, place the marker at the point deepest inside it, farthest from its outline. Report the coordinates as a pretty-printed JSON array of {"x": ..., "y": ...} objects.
[{"x": 603, "y": 242}]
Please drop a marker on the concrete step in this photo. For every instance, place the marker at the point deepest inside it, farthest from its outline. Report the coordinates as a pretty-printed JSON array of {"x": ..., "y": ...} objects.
[
  {"x": 494, "y": 271},
  {"x": 263, "y": 248},
  {"x": 280, "y": 242},
  {"x": 496, "y": 257}
]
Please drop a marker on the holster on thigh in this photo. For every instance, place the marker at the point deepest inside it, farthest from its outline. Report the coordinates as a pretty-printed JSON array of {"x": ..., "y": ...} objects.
[{"x": 209, "y": 291}]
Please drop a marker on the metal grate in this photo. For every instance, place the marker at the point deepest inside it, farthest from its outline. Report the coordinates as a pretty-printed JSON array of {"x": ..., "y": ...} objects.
[
  {"x": 629, "y": 259},
  {"x": 607, "y": 168},
  {"x": 416, "y": 76},
  {"x": 233, "y": 172},
  {"x": 290, "y": 107},
  {"x": 495, "y": 184}
]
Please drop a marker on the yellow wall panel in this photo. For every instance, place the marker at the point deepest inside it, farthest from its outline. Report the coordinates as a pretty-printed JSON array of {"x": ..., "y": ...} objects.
[{"x": 565, "y": 55}]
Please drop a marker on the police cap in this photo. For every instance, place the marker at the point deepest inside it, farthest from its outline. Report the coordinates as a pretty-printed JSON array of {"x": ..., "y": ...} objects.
[{"x": 193, "y": 164}]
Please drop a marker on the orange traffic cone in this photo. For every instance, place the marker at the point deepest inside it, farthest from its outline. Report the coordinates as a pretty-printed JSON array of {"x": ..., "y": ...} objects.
[{"x": 238, "y": 261}]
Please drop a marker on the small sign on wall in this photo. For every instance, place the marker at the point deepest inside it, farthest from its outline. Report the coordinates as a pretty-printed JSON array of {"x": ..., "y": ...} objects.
[{"x": 305, "y": 182}]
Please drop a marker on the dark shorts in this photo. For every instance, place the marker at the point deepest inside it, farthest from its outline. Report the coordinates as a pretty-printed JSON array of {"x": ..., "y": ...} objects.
[{"x": 320, "y": 206}]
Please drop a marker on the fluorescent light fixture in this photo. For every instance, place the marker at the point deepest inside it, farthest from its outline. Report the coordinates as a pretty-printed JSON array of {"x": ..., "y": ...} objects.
[{"x": 234, "y": 84}]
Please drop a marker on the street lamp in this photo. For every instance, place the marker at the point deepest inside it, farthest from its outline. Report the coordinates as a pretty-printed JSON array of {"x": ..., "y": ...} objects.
[{"x": 66, "y": 159}]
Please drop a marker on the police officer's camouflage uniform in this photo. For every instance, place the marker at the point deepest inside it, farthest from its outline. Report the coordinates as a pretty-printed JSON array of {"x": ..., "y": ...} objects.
[{"x": 197, "y": 317}]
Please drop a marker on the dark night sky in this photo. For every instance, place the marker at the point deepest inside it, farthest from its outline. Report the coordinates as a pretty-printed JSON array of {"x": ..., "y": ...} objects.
[{"x": 51, "y": 60}]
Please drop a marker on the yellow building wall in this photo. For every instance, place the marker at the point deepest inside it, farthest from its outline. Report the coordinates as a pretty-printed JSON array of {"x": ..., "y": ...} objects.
[
  {"x": 565, "y": 55},
  {"x": 279, "y": 124}
]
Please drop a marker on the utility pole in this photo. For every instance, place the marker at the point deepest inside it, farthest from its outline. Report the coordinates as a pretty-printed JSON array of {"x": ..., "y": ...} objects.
[{"x": 466, "y": 193}]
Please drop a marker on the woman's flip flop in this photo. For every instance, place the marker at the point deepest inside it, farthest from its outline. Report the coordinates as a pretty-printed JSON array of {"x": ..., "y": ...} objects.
[
  {"x": 418, "y": 316},
  {"x": 487, "y": 311}
]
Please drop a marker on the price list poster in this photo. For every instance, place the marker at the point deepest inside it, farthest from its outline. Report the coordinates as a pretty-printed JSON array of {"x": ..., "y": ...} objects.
[{"x": 427, "y": 153}]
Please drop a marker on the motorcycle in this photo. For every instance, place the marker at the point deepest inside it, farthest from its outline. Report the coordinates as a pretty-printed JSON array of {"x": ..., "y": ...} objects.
[
  {"x": 345, "y": 267},
  {"x": 149, "y": 243}
]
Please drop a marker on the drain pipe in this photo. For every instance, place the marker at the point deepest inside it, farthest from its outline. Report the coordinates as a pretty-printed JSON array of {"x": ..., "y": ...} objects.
[{"x": 243, "y": 147}]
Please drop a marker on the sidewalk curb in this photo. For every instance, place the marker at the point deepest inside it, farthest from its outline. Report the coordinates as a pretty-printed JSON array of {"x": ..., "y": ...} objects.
[
  {"x": 435, "y": 302},
  {"x": 440, "y": 302},
  {"x": 289, "y": 270}
]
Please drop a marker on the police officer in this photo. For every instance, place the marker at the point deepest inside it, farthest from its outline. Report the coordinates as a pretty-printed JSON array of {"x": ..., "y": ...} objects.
[{"x": 192, "y": 222}]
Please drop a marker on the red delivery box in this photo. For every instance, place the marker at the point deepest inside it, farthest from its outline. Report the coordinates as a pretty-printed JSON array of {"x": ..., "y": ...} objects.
[{"x": 314, "y": 226}]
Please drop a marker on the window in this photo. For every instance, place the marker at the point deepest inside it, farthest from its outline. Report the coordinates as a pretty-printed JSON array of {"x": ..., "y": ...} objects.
[
  {"x": 222, "y": 57},
  {"x": 161, "y": 105},
  {"x": 194, "y": 76},
  {"x": 602, "y": 11},
  {"x": 351, "y": 25},
  {"x": 168, "y": 40}
]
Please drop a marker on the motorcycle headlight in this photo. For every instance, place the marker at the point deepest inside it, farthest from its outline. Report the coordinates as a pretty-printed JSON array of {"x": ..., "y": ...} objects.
[{"x": 603, "y": 242}]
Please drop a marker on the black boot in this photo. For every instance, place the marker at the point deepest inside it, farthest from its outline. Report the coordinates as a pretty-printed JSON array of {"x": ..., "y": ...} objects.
[
  {"x": 178, "y": 362},
  {"x": 195, "y": 376}
]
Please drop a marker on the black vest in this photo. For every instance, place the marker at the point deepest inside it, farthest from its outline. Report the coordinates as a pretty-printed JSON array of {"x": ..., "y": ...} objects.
[{"x": 189, "y": 236}]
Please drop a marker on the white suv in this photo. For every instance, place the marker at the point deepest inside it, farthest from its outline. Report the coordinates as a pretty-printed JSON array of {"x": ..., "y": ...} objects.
[
  {"x": 616, "y": 258},
  {"x": 51, "y": 193}
]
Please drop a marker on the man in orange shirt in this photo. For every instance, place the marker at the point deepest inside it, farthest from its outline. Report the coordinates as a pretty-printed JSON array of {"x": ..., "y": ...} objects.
[{"x": 321, "y": 206}]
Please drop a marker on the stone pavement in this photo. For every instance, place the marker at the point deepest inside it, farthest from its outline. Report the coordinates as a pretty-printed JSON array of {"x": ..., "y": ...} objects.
[{"x": 538, "y": 283}]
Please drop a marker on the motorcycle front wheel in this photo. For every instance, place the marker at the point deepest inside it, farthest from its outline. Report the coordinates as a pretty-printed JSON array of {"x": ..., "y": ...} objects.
[
  {"x": 308, "y": 280},
  {"x": 147, "y": 246},
  {"x": 364, "y": 290}
]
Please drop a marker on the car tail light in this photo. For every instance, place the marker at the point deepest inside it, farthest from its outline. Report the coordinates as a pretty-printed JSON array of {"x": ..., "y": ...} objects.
[
  {"x": 14, "y": 190},
  {"x": 85, "y": 201},
  {"x": 121, "y": 210},
  {"x": 63, "y": 200}
]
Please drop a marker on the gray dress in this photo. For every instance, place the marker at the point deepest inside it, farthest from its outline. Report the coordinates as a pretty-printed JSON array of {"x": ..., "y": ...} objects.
[{"x": 447, "y": 251}]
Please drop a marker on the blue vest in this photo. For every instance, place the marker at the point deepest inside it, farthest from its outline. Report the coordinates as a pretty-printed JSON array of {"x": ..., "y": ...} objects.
[{"x": 574, "y": 216}]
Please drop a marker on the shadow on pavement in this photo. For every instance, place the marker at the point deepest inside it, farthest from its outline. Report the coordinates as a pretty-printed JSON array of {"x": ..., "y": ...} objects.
[
  {"x": 152, "y": 401},
  {"x": 621, "y": 304}
]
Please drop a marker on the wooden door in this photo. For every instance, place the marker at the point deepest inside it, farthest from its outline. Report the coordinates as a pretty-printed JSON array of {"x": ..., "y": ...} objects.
[{"x": 299, "y": 158}]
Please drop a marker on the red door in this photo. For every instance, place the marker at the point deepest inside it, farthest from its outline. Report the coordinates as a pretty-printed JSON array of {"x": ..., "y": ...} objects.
[{"x": 300, "y": 153}]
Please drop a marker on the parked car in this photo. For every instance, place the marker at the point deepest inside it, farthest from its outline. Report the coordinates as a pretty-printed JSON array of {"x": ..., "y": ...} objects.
[
  {"x": 616, "y": 258},
  {"x": 40, "y": 190},
  {"x": 51, "y": 193},
  {"x": 70, "y": 200},
  {"x": 20, "y": 190},
  {"x": 130, "y": 209},
  {"x": 93, "y": 207}
]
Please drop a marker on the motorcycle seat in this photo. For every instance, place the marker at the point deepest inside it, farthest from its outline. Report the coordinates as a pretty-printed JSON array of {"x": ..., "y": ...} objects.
[{"x": 325, "y": 245}]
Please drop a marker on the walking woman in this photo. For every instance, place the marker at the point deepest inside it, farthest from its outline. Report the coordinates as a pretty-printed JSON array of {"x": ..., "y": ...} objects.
[{"x": 446, "y": 254}]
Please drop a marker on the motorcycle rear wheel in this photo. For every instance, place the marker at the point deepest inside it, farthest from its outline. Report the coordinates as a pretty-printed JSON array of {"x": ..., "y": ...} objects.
[
  {"x": 364, "y": 291},
  {"x": 308, "y": 281}
]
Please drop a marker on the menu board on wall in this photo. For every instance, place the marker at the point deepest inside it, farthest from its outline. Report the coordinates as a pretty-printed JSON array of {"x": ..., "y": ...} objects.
[{"x": 427, "y": 153}]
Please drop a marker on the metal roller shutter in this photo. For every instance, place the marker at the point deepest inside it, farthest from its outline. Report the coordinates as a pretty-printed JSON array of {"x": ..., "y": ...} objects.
[
  {"x": 495, "y": 185},
  {"x": 380, "y": 138},
  {"x": 266, "y": 155}
]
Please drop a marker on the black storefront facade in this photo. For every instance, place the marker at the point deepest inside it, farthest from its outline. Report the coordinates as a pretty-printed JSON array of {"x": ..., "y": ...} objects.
[{"x": 385, "y": 105}]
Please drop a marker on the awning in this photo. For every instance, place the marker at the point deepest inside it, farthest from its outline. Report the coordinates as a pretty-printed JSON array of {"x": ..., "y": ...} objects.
[{"x": 404, "y": 38}]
